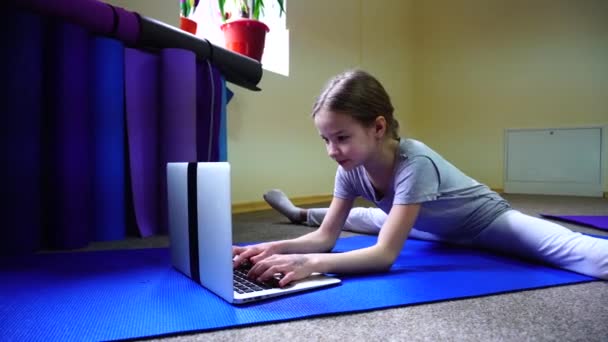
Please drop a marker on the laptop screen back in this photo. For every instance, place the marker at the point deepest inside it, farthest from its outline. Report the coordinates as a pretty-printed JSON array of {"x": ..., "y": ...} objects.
[{"x": 200, "y": 210}]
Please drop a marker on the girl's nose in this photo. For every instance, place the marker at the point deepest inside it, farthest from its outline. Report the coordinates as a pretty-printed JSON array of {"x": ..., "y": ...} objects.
[{"x": 332, "y": 151}]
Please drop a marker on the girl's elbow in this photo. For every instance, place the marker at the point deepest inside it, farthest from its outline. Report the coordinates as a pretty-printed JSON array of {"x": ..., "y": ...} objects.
[
  {"x": 386, "y": 262},
  {"x": 385, "y": 257},
  {"x": 327, "y": 243}
]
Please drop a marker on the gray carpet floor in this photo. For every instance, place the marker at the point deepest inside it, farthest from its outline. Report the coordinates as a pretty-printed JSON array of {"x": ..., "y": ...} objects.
[{"x": 563, "y": 313}]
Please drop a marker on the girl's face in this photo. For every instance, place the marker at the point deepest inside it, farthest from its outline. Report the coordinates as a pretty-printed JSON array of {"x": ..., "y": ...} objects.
[{"x": 348, "y": 142}]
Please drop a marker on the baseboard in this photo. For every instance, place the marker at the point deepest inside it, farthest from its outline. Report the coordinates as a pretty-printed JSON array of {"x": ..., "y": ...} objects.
[{"x": 248, "y": 207}]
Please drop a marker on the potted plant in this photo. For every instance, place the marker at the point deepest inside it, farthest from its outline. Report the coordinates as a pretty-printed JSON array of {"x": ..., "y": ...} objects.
[
  {"x": 186, "y": 9},
  {"x": 244, "y": 32}
]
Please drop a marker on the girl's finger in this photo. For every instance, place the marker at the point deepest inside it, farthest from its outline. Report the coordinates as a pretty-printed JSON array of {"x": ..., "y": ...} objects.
[
  {"x": 269, "y": 273},
  {"x": 257, "y": 258},
  {"x": 237, "y": 250},
  {"x": 287, "y": 278}
]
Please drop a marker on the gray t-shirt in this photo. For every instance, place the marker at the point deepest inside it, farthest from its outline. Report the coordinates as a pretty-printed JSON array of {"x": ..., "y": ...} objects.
[{"x": 452, "y": 203}]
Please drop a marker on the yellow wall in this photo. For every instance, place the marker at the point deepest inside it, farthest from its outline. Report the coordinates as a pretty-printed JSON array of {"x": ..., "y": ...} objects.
[
  {"x": 459, "y": 72},
  {"x": 485, "y": 65},
  {"x": 272, "y": 141}
]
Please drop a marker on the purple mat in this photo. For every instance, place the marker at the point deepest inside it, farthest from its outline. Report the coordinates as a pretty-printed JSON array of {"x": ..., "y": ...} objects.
[
  {"x": 142, "y": 112},
  {"x": 164, "y": 95},
  {"x": 595, "y": 221},
  {"x": 177, "y": 116}
]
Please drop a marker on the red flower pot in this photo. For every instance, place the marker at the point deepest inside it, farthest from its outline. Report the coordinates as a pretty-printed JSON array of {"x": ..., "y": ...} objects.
[
  {"x": 187, "y": 25},
  {"x": 246, "y": 36}
]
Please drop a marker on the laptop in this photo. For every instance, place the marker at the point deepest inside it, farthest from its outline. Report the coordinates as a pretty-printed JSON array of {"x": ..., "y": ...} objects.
[{"x": 200, "y": 234}]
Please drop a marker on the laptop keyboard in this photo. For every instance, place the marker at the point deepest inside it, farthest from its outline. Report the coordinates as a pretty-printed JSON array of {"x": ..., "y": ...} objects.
[{"x": 242, "y": 284}]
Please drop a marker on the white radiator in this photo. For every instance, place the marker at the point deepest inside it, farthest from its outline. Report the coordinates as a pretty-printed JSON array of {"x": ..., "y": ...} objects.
[{"x": 565, "y": 161}]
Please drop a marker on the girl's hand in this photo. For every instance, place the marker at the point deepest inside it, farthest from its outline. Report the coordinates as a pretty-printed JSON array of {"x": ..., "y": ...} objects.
[
  {"x": 253, "y": 253},
  {"x": 290, "y": 266}
]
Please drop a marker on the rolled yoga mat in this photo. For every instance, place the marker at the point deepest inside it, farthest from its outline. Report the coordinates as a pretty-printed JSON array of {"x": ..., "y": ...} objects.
[
  {"x": 108, "y": 115},
  {"x": 143, "y": 113},
  {"x": 128, "y": 294},
  {"x": 68, "y": 143},
  {"x": 178, "y": 128},
  {"x": 21, "y": 108},
  {"x": 595, "y": 221}
]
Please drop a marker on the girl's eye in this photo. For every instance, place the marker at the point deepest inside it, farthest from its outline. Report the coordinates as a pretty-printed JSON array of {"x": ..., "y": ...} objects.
[
  {"x": 343, "y": 138},
  {"x": 325, "y": 140}
]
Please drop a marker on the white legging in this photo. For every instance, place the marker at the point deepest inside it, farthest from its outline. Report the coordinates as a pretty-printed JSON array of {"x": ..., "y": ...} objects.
[{"x": 512, "y": 233}]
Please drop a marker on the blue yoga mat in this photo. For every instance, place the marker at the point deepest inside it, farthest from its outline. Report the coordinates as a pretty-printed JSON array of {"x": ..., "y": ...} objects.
[
  {"x": 108, "y": 115},
  {"x": 123, "y": 294}
]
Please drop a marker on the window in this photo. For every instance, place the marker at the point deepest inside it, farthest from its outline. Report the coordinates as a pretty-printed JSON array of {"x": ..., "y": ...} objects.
[{"x": 276, "y": 51}]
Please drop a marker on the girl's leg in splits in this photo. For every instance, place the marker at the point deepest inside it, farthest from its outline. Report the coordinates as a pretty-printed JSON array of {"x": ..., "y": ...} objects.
[
  {"x": 530, "y": 237},
  {"x": 359, "y": 220}
]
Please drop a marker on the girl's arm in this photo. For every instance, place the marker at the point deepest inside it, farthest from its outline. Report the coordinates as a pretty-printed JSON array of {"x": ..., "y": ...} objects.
[
  {"x": 376, "y": 258},
  {"x": 321, "y": 240},
  {"x": 324, "y": 238}
]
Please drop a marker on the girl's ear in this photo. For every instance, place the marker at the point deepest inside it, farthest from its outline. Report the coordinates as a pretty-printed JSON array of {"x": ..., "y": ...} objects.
[{"x": 380, "y": 126}]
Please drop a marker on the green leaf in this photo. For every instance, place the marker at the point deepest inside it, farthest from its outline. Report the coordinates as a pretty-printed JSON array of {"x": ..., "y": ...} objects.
[
  {"x": 185, "y": 8},
  {"x": 258, "y": 7},
  {"x": 221, "y": 4},
  {"x": 281, "y": 6}
]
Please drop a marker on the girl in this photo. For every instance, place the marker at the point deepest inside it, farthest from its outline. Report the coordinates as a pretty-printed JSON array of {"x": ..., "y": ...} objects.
[{"x": 411, "y": 183}]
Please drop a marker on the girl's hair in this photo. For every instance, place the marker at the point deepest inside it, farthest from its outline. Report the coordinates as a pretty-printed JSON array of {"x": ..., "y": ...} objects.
[{"x": 360, "y": 95}]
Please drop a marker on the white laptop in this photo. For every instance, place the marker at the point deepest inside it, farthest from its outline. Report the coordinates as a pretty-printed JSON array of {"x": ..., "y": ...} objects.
[{"x": 200, "y": 234}]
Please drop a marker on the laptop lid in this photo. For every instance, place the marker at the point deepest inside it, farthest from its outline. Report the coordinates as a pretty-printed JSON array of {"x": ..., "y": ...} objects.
[
  {"x": 200, "y": 224},
  {"x": 200, "y": 231}
]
